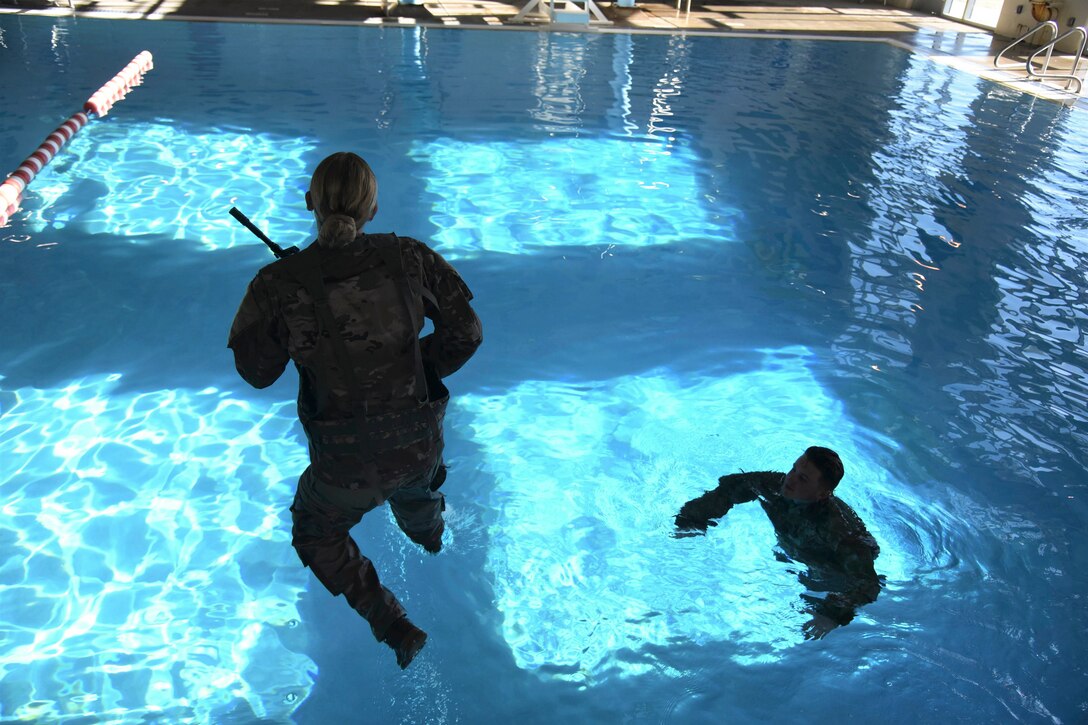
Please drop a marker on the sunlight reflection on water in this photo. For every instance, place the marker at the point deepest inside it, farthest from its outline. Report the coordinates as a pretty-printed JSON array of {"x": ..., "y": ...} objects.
[
  {"x": 172, "y": 182},
  {"x": 148, "y": 560},
  {"x": 515, "y": 198}
]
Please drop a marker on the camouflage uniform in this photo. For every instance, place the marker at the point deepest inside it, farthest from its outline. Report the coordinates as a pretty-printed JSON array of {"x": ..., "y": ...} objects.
[
  {"x": 353, "y": 468},
  {"x": 826, "y": 536}
]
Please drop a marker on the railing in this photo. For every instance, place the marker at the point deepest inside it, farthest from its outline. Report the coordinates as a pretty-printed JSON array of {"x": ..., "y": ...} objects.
[
  {"x": 1070, "y": 77},
  {"x": 1046, "y": 24},
  {"x": 1047, "y": 47}
]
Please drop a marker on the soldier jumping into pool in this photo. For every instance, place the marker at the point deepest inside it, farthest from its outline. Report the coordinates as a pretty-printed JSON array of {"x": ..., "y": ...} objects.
[
  {"x": 348, "y": 311},
  {"x": 814, "y": 527}
]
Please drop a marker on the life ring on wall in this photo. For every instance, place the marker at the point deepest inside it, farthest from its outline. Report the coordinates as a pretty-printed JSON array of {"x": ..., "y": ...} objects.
[{"x": 1043, "y": 11}]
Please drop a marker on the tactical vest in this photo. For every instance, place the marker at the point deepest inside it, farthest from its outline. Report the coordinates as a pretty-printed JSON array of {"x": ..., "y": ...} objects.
[{"x": 365, "y": 434}]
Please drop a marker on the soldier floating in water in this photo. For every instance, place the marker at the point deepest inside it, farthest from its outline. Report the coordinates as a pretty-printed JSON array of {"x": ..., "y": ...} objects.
[
  {"x": 814, "y": 528},
  {"x": 348, "y": 311}
]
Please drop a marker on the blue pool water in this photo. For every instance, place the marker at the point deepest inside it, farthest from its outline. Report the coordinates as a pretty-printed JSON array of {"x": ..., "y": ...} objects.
[{"x": 692, "y": 256}]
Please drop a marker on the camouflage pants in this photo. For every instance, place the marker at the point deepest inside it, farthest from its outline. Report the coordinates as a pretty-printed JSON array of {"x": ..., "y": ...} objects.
[{"x": 322, "y": 516}]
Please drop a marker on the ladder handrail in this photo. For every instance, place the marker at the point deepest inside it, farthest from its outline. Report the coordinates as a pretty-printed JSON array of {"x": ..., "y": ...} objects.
[
  {"x": 1045, "y": 24},
  {"x": 1072, "y": 76}
]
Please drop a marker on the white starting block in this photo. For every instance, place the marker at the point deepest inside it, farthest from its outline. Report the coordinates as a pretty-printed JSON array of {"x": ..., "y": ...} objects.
[{"x": 569, "y": 12}]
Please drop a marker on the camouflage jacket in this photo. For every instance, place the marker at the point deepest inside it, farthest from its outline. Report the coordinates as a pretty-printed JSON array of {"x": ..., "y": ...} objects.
[
  {"x": 826, "y": 536},
  {"x": 277, "y": 322}
]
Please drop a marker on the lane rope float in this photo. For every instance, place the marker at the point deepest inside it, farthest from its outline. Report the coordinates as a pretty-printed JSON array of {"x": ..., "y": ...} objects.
[{"x": 99, "y": 104}]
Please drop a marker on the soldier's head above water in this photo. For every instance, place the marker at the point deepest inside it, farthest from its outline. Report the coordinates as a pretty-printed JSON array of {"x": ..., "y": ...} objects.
[
  {"x": 343, "y": 196},
  {"x": 814, "y": 475}
]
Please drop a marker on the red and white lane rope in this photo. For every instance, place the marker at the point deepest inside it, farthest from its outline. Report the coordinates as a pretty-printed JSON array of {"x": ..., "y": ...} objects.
[{"x": 99, "y": 104}]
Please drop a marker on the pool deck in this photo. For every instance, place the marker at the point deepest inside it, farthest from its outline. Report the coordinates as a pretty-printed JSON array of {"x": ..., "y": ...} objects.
[{"x": 963, "y": 46}]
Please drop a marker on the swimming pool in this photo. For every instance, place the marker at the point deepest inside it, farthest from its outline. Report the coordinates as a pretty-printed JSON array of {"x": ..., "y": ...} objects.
[{"x": 692, "y": 256}]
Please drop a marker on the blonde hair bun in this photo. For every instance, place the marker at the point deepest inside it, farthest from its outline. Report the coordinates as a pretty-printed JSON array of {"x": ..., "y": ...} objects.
[{"x": 336, "y": 230}]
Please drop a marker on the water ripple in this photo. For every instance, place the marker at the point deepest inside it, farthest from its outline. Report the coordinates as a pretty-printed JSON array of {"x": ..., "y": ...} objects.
[{"x": 149, "y": 559}]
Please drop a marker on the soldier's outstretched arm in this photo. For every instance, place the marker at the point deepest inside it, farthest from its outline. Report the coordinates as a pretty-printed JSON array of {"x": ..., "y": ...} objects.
[
  {"x": 258, "y": 337},
  {"x": 457, "y": 329},
  {"x": 699, "y": 513}
]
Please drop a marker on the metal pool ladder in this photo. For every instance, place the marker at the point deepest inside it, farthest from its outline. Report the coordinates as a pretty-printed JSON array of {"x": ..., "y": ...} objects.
[
  {"x": 1045, "y": 25},
  {"x": 1070, "y": 77},
  {"x": 1048, "y": 48}
]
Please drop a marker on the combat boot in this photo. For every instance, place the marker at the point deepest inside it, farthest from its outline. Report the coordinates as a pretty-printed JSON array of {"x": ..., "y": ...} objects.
[
  {"x": 406, "y": 640},
  {"x": 433, "y": 543}
]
